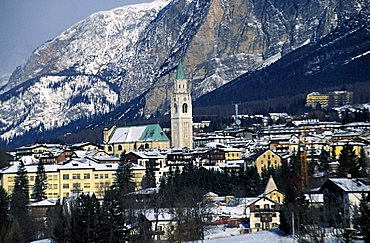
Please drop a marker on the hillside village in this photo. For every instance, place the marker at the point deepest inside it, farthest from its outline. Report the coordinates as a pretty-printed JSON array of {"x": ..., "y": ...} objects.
[{"x": 252, "y": 177}]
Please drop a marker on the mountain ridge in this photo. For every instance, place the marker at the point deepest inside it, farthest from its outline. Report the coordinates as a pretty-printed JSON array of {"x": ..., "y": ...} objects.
[{"x": 217, "y": 40}]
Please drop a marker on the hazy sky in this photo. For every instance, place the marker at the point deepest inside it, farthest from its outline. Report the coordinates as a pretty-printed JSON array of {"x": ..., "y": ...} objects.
[{"x": 26, "y": 24}]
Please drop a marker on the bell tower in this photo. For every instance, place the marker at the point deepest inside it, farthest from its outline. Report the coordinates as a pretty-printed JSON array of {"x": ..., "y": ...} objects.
[{"x": 181, "y": 112}]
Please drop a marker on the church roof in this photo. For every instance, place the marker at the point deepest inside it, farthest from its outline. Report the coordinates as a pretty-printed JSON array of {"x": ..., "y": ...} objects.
[
  {"x": 271, "y": 186},
  {"x": 180, "y": 74},
  {"x": 151, "y": 132}
]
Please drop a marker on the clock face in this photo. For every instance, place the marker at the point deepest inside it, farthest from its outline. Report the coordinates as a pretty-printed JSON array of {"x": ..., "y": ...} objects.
[{"x": 238, "y": 122}]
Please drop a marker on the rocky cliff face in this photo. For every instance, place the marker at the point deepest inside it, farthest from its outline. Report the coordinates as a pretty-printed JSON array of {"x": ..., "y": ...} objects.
[{"x": 113, "y": 57}]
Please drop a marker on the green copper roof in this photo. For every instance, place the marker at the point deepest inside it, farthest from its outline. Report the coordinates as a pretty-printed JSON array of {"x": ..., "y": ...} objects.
[
  {"x": 180, "y": 74},
  {"x": 153, "y": 132}
]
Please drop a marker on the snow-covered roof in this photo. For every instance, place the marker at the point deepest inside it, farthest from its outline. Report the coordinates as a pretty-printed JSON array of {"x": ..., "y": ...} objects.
[
  {"x": 45, "y": 203},
  {"x": 352, "y": 184},
  {"x": 151, "y": 132},
  {"x": 148, "y": 154},
  {"x": 77, "y": 163}
]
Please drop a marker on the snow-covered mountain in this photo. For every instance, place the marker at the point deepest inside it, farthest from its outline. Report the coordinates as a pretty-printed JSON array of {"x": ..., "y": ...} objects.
[{"x": 113, "y": 57}]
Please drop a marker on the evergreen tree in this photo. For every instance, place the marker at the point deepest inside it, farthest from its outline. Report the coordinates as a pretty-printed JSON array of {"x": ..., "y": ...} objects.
[
  {"x": 4, "y": 213},
  {"x": 62, "y": 229},
  {"x": 348, "y": 162},
  {"x": 324, "y": 162},
  {"x": 21, "y": 183},
  {"x": 14, "y": 235},
  {"x": 124, "y": 176},
  {"x": 19, "y": 212},
  {"x": 85, "y": 218},
  {"x": 148, "y": 180},
  {"x": 252, "y": 182},
  {"x": 112, "y": 218},
  {"x": 364, "y": 170},
  {"x": 363, "y": 222},
  {"x": 39, "y": 187}
]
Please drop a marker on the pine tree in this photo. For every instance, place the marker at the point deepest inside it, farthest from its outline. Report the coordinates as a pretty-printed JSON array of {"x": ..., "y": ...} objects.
[
  {"x": 148, "y": 180},
  {"x": 85, "y": 218},
  {"x": 124, "y": 176},
  {"x": 363, "y": 222},
  {"x": 4, "y": 212},
  {"x": 21, "y": 183},
  {"x": 112, "y": 221},
  {"x": 19, "y": 200},
  {"x": 39, "y": 187},
  {"x": 348, "y": 162},
  {"x": 364, "y": 169},
  {"x": 324, "y": 162}
]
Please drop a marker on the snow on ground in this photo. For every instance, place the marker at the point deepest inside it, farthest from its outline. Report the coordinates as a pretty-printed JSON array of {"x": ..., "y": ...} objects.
[{"x": 221, "y": 234}]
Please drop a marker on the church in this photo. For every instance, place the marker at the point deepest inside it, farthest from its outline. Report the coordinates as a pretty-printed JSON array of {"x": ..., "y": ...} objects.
[{"x": 181, "y": 112}]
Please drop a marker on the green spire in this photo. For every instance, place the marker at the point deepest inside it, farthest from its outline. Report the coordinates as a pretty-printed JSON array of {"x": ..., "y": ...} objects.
[{"x": 180, "y": 74}]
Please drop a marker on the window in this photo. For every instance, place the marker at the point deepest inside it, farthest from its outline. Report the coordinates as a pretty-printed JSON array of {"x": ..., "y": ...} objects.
[
  {"x": 96, "y": 185},
  {"x": 96, "y": 176},
  {"x": 257, "y": 225},
  {"x": 76, "y": 176},
  {"x": 185, "y": 108},
  {"x": 257, "y": 206},
  {"x": 65, "y": 186},
  {"x": 66, "y": 177},
  {"x": 119, "y": 147},
  {"x": 10, "y": 179},
  {"x": 76, "y": 185},
  {"x": 106, "y": 176},
  {"x": 55, "y": 177},
  {"x": 266, "y": 206},
  {"x": 101, "y": 176},
  {"x": 55, "y": 186},
  {"x": 110, "y": 148},
  {"x": 32, "y": 178},
  {"x": 86, "y": 176},
  {"x": 87, "y": 185},
  {"x": 175, "y": 108}
]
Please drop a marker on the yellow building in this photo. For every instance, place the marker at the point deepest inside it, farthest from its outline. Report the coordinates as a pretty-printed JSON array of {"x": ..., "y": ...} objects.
[
  {"x": 266, "y": 160},
  {"x": 272, "y": 192},
  {"x": 118, "y": 139},
  {"x": 35, "y": 150},
  {"x": 85, "y": 146},
  {"x": 232, "y": 154},
  {"x": 76, "y": 176},
  {"x": 331, "y": 99},
  {"x": 335, "y": 149},
  {"x": 315, "y": 98},
  {"x": 264, "y": 214}
]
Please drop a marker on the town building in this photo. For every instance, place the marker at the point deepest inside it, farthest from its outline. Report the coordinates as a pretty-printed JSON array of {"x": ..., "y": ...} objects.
[
  {"x": 342, "y": 197},
  {"x": 266, "y": 160},
  {"x": 119, "y": 139},
  {"x": 181, "y": 112},
  {"x": 76, "y": 176},
  {"x": 331, "y": 99},
  {"x": 271, "y": 191}
]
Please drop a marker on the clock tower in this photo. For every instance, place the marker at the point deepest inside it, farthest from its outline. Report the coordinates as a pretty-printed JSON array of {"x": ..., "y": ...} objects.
[{"x": 181, "y": 112}]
